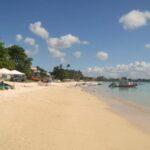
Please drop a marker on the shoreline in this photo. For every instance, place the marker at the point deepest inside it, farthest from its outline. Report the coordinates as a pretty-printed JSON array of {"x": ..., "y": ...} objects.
[
  {"x": 137, "y": 114},
  {"x": 64, "y": 117}
]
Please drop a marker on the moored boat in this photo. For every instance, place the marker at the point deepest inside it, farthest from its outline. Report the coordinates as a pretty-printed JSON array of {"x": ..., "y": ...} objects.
[{"x": 124, "y": 83}]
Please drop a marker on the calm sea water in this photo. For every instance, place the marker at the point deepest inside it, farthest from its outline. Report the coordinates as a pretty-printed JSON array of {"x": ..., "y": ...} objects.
[
  {"x": 139, "y": 95},
  {"x": 132, "y": 103}
]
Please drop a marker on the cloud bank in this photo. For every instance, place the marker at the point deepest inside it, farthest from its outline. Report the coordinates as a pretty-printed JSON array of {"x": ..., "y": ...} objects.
[{"x": 133, "y": 70}]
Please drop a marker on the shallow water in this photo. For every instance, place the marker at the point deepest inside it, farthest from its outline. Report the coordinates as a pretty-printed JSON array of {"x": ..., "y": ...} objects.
[
  {"x": 132, "y": 103},
  {"x": 139, "y": 95}
]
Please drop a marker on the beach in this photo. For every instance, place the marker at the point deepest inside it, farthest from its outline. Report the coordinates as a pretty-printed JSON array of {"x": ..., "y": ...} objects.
[{"x": 63, "y": 117}]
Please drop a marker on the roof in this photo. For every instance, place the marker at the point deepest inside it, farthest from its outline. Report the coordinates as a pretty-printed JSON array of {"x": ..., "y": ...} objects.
[
  {"x": 5, "y": 71},
  {"x": 15, "y": 72}
]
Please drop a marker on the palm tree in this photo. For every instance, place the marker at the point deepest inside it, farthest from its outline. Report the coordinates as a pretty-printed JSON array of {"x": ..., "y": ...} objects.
[{"x": 68, "y": 66}]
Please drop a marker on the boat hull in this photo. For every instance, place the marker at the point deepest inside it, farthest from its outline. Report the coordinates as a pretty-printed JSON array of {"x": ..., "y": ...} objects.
[
  {"x": 123, "y": 86},
  {"x": 127, "y": 86}
]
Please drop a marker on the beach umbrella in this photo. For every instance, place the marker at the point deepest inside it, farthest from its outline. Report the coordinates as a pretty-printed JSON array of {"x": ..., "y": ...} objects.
[{"x": 5, "y": 71}]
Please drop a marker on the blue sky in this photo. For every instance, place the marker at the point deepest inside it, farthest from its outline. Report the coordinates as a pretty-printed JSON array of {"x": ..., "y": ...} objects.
[{"x": 94, "y": 21}]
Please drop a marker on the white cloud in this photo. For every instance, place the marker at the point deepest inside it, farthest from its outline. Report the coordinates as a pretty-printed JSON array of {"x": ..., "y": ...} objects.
[
  {"x": 29, "y": 41},
  {"x": 19, "y": 37},
  {"x": 62, "y": 60},
  {"x": 56, "y": 53},
  {"x": 84, "y": 42},
  {"x": 133, "y": 70},
  {"x": 55, "y": 44},
  {"x": 147, "y": 46},
  {"x": 32, "y": 51},
  {"x": 77, "y": 54},
  {"x": 37, "y": 29},
  {"x": 135, "y": 19},
  {"x": 102, "y": 55},
  {"x": 63, "y": 42}
]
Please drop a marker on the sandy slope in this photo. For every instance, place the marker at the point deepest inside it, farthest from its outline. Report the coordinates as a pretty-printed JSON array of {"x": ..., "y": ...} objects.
[{"x": 63, "y": 118}]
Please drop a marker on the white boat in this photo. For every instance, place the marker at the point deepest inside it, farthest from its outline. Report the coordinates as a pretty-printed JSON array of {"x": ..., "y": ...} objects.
[
  {"x": 123, "y": 83},
  {"x": 126, "y": 83}
]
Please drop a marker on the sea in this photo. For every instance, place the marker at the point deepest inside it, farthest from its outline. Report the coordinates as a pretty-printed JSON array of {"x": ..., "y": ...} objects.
[{"x": 132, "y": 103}]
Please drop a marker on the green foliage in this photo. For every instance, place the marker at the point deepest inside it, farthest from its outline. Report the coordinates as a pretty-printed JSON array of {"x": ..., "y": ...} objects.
[
  {"x": 42, "y": 72},
  {"x": 14, "y": 57},
  {"x": 68, "y": 66},
  {"x": 4, "y": 58},
  {"x": 60, "y": 73},
  {"x": 1, "y": 45}
]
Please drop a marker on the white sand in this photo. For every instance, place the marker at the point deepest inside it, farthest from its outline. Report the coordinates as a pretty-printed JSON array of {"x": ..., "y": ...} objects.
[{"x": 60, "y": 117}]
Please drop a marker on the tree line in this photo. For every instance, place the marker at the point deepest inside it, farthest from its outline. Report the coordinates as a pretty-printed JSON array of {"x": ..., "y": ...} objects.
[
  {"x": 15, "y": 58},
  {"x": 62, "y": 73}
]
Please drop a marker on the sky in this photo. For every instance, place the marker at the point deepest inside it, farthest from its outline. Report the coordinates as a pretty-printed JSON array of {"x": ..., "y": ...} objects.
[{"x": 99, "y": 37}]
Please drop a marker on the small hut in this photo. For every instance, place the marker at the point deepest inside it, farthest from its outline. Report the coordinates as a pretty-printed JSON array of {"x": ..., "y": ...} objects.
[
  {"x": 5, "y": 73},
  {"x": 17, "y": 76}
]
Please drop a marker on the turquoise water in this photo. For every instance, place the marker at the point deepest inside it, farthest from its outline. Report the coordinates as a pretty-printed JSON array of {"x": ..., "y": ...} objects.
[
  {"x": 131, "y": 103},
  {"x": 139, "y": 95}
]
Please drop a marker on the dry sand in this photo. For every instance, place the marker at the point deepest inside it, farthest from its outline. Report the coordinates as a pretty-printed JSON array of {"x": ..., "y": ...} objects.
[{"x": 62, "y": 117}]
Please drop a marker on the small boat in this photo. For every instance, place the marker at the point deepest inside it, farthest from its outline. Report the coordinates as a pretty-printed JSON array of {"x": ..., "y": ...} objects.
[
  {"x": 4, "y": 86},
  {"x": 124, "y": 83}
]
